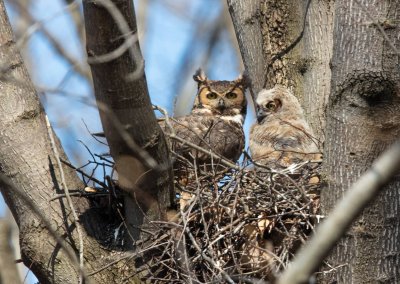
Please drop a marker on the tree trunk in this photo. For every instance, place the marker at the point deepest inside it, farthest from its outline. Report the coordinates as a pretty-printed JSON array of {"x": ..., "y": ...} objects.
[
  {"x": 126, "y": 113},
  {"x": 358, "y": 114},
  {"x": 245, "y": 16},
  {"x": 27, "y": 159},
  {"x": 363, "y": 120},
  {"x": 295, "y": 50}
]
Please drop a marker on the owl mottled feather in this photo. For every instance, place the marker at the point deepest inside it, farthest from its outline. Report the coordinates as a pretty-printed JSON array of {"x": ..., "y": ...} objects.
[
  {"x": 215, "y": 122},
  {"x": 281, "y": 135}
]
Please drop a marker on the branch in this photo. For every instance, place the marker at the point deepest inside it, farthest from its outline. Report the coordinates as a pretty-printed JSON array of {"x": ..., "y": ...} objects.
[
  {"x": 6, "y": 183},
  {"x": 58, "y": 46},
  {"x": 333, "y": 228},
  {"x": 69, "y": 200}
]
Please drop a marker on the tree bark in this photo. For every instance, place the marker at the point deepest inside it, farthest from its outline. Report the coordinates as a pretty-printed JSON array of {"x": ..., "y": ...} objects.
[
  {"x": 363, "y": 120},
  {"x": 27, "y": 159},
  {"x": 346, "y": 77},
  {"x": 126, "y": 113},
  {"x": 245, "y": 17},
  {"x": 288, "y": 43}
]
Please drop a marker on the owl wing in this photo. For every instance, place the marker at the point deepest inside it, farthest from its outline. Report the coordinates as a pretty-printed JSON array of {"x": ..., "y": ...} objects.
[
  {"x": 222, "y": 137},
  {"x": 227, "y": 139},
  {"x": 282, "y": 142}
]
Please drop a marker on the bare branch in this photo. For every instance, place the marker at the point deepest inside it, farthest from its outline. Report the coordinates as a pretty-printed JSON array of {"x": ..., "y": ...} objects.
[
  {"x": 70, "y": 203},
  {"x": 333, "y": 228},
  {"x": 6, "y": 183},
  {"x": 59, "y": 48}
]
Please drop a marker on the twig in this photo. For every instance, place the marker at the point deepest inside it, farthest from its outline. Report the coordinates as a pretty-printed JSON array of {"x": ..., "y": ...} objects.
[
  {"x": 39, "y": 25},
  {"x": 83, "y": 173},
  {"x": 208, "y": 259},
  {"x": 130, "y": 38},
  {"x": 379, "y": 26},
  {"x": 213, "y": 155},
  {"x": 69, "y": 200},
  {"x": 333, "y": 228},
  {"x": 5, "y": 182},
  {"x": 80, "y": 194},
  {"x": 128, "y": 255}
]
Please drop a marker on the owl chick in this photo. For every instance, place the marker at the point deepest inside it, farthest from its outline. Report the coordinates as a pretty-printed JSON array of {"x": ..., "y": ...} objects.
[
  {"x": 215, "y": 122},
  {"x": 281, "y": 135}
]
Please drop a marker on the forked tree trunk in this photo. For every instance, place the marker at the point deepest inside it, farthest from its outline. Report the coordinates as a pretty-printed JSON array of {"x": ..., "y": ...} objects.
[
  {"x": 362, "y": 120},
  {"x": 357, "y": 117},
  {"x": 27, "y": 158}
]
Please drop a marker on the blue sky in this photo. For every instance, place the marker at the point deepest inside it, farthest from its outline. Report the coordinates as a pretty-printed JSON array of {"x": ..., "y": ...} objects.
[{"x": 169, "y": 37}]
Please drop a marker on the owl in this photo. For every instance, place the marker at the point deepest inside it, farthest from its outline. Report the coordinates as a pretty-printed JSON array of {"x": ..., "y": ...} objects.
[
  {"x": 215, "y": 123},
  {"x": 281, "y": 136}
]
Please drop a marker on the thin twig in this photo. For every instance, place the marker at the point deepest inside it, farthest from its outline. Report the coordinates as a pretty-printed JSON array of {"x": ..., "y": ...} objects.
[
  {"x": 130, "y": 38},
  {"x": 69, "y": 200},
  {"x": 380, "y": 28},
  {"x": 208, "y": 259},
  {"x": 5, "y": 181},
  {"x": 83, "y": 173},
  {"x": 336, "y": 224}
]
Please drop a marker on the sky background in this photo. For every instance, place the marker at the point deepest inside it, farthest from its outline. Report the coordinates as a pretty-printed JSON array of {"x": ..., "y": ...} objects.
[{"x": 177, "y": 37}]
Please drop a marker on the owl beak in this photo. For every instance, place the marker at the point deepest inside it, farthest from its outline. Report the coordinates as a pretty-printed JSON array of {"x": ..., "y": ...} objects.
[
  {"x": 260, "y": 115},
  {"x": 221, "y": 104}
]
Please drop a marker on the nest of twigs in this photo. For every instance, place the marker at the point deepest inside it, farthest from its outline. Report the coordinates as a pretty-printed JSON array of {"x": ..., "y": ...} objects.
[{"x": 237, "y": 225}]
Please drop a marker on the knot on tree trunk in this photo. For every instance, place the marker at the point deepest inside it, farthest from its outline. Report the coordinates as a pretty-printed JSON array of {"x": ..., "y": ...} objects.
[{"x": 367, "y": 89}]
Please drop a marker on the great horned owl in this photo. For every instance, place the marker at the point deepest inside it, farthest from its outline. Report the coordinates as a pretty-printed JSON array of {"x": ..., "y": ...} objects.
[
  {"x": 215, "y": 123},
  {"x": 281, "y": 135}
]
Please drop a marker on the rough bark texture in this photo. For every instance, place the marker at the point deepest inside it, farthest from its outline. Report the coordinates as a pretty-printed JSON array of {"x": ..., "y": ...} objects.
[
  {"x": 362, "y": 106},
  {"x": 245, "y": 16},
  {"x": 314, "y": 67},
  {"x": 297, "y": 41},
  {"x": 128, "y": 100},
  {"x": 27, "y": 159},
  {"x": 296, "y": 47},
  {"x": 363, "y": 119}
]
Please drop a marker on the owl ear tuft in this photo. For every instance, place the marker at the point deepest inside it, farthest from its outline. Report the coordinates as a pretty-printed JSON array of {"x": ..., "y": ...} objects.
[
  {"x": 200, "y": 77},
  {"x": 244, "y": 80}
]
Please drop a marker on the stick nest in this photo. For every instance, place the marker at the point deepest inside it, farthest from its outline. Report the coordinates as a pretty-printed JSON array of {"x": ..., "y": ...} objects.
[{"x": 236, "y": 226}]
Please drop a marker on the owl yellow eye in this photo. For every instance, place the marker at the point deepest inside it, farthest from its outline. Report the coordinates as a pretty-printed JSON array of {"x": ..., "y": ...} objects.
[
  {"x": 270, "y": 105},
  {"x": 231, "y": 96},
  {"x": 212, "y": 96}
]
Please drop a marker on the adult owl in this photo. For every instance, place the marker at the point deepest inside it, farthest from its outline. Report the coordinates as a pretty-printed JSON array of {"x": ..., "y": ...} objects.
[
  {"x": 281, "y": 136},
  {"x": 214, "y": 124}
]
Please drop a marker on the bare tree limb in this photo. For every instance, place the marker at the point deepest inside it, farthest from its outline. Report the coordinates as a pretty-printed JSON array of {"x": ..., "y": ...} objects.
[
  {"x": 58, "y": 47},
  {"x": 333, "y": 228}
]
